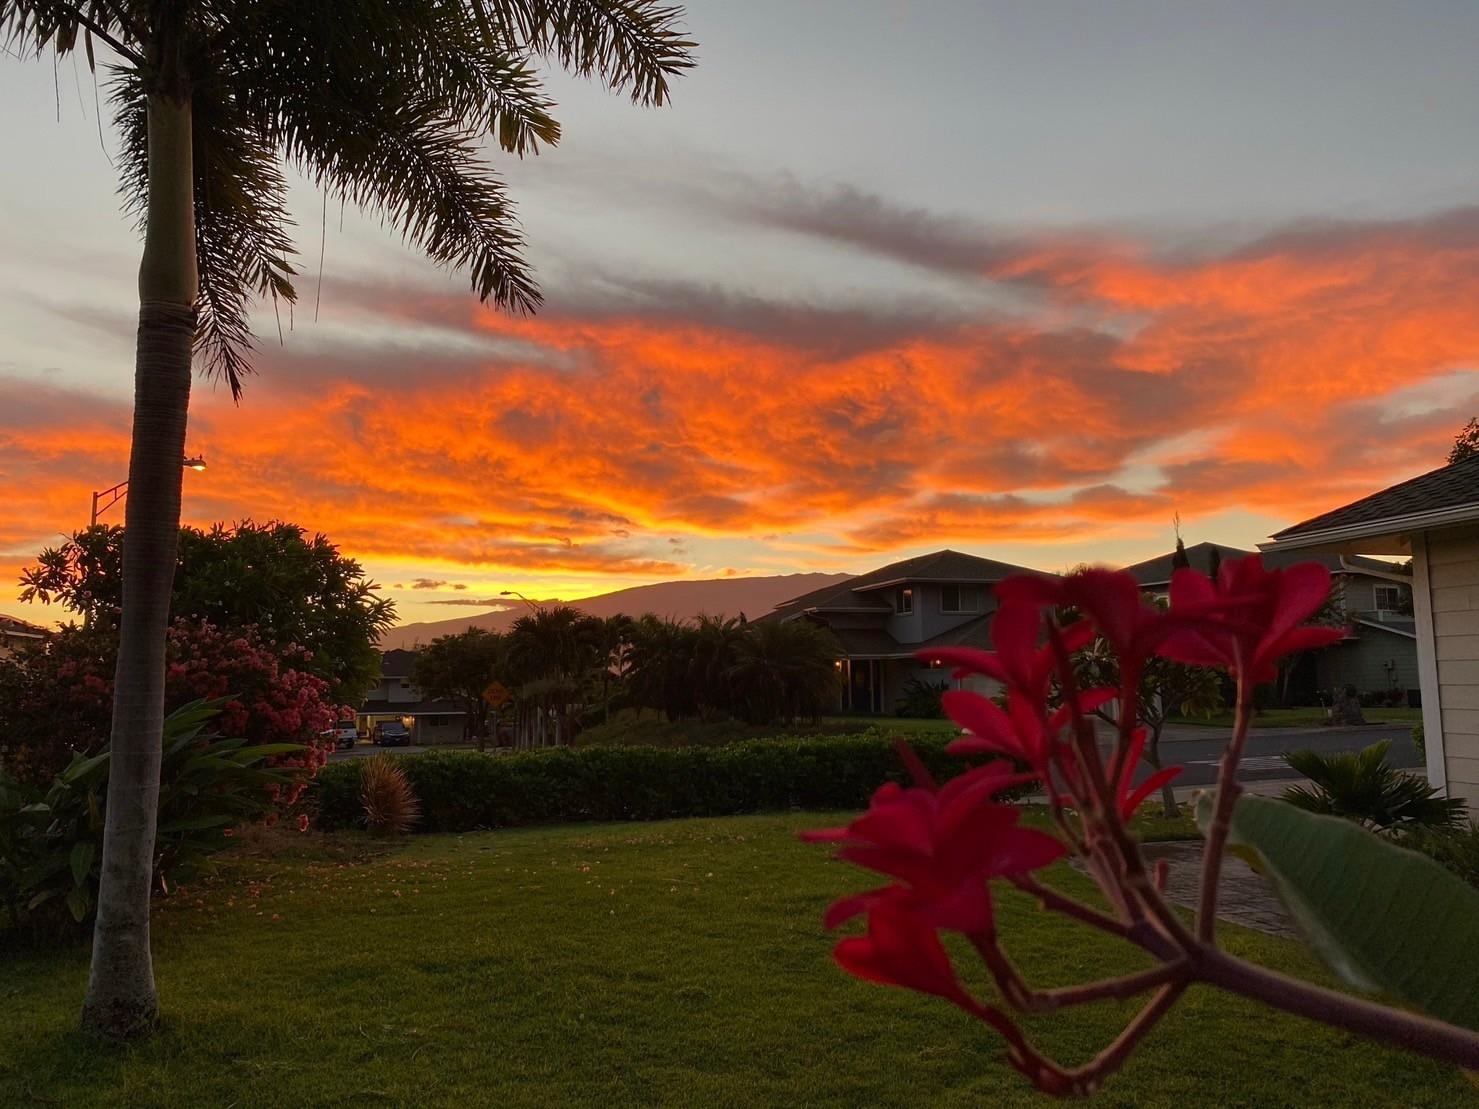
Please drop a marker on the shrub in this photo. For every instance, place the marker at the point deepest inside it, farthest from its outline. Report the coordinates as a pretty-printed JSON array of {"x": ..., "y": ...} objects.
[
  {"x": 390, "y": 804},
  {"x": 1364, "y": 788},
  {"x": 51, "y": 840},
  {"x": 463, "y": 790},
  {"x": 1419, "y": 740},
  {"x": 1455, "y": 848},
  {"x": 921, "y": 700}
]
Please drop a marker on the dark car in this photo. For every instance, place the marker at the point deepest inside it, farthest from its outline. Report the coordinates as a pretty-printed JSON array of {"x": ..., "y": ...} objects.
[{"x": 391, "y": 735}]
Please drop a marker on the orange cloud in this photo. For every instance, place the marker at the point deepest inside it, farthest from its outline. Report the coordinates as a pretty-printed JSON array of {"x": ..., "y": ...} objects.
[{"x": 1275, "y": 378}]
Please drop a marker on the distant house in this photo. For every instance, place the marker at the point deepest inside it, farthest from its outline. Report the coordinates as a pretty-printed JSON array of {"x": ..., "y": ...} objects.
[
  {"x": 1434, "y": 518},
  {"x": 883, "y": 617},
  {"x": 15, "y": 633},
  {"x": 1379, "y": 652},
  {"x": 394, "y": 698}
]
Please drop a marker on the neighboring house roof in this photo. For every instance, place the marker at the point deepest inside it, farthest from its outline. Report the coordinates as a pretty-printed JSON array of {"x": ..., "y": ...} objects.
[
  {"x": 973, "y": 633},
  {"x": 1405, "y": 628},
  {"x": 870, "y": 643},
  {"x": 1157, "y": 571},
  {"x": 945, "y": 566},
  {"x": 396, "y": 663},
  {"x": 21, "y": 629},
  {"x": 1438, "y": 498},
  {"x": 439, "y": 707}
]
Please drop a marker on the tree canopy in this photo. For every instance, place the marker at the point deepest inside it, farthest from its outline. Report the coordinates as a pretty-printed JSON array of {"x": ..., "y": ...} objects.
[
  {"x": 1466, "y": 443},
  {"x": 296, "y": 590}
]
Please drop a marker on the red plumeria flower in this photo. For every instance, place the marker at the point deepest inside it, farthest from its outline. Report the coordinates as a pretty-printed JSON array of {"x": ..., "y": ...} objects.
[
  {"x": 899, "y": 950},
  {"x": 1021, "y": 731},
  {"x": 941, "y": 848},
  {"x": 1129, "y": 796},
  {"x": 1111, "y": 600},
  {"x": 1018, "y": 662},
  {"x": 1250, "y": 617}
]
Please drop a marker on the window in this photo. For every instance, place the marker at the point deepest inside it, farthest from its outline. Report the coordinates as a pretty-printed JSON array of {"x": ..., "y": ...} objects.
[
  {"x": 437, "y": 721},
  {"x": 958, "y": 598},
  {"x": 905, "y": 603},
  {"x": 1389, "y": 598}
]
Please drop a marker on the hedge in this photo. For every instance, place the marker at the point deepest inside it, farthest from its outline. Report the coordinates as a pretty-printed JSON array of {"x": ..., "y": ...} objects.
[{"x": 463, "y": 790}]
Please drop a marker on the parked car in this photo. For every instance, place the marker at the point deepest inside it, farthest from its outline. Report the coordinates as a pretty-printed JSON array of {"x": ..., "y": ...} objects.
[
  {"x": 344, "y": 735},
  {"x": 391, "y": 735}
]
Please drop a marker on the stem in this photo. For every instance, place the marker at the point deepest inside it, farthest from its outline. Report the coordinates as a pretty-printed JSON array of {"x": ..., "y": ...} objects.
[
  {"x": 1417, "y": 1033},
  {"x": 1061, "y": 903},
  {"x": 1227, "y": 796},
  {"x": 1022, "y": 996}
]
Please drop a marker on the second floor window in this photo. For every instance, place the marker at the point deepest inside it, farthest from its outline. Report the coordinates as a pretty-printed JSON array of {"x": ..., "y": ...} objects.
[
  {"x": 905, "y": 603},
  {"x": 958, "y": 598},
  {"x": 1389, "y": 598}
]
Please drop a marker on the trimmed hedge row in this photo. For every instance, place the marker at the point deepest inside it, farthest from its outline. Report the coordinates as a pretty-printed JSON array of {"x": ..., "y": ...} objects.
[{"x": 462, "y": 790}]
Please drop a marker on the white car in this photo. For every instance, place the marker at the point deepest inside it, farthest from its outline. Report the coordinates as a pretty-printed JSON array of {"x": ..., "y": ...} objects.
[{"x": 344, "y": 735}]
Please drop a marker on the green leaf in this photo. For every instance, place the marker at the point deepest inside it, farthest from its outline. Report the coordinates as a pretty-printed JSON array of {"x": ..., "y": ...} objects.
[
  {"x": 1383, "y": 917},
  {"x": 83, "y": 853},
  {"x": 79, "y": 903}
]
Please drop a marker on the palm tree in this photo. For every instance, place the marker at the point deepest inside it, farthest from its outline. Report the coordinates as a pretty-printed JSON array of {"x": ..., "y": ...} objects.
[
  {"x": 384, "y": 102},
  {"x": 784, "y": 670},
  {"x": 553, "y": 655}
]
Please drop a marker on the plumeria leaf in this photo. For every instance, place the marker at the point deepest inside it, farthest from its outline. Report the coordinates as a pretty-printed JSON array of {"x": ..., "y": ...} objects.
[{"x": 1383, "y": 917}]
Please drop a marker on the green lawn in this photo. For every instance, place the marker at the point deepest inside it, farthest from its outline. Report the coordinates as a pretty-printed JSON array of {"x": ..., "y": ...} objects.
[
  {"x": 676, "y": 964},
  {"x": 1303, "y": 718}
]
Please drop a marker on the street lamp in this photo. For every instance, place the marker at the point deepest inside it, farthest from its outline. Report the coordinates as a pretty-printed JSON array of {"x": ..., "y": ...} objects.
[
  {"x": 515, "y": 593},
  {"x": 119, "y": 491}
]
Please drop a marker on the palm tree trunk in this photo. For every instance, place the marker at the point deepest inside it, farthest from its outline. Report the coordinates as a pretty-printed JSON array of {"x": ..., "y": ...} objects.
[
  {"x": 1153, "y": 756},
  {"x": 121, "y": 1000}
]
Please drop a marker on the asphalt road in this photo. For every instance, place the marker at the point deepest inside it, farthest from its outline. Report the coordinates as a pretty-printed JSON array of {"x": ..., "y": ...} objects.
[{"x": 1199, "y": 749}]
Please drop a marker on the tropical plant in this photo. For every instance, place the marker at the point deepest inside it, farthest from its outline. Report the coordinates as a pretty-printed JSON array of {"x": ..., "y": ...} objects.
[
  {"x": 294, "y": 590},
  {"x": 1362, "y": 786},
  {"x": 920, "y": 700},
  {"x": 552, "y": 657},
  {"x": 784, "y": 671},
  {"x": 383, "y": 103},
  {"x": 385, "y": 792},
  {"x": 51, "y": 839},
  {"x": 1386, "y": 919},
  {"x": 1454, "y": 848}
]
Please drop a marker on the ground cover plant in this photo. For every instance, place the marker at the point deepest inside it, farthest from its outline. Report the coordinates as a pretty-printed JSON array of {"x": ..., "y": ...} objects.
[{"x": 670, "y": 964}]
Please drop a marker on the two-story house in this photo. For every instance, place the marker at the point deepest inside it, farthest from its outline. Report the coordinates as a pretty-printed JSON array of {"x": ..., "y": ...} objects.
[
  {"x": 395, "y": 698},
  {"x": 1379, "y": 651},
  {"x": 882, "y": 618}
]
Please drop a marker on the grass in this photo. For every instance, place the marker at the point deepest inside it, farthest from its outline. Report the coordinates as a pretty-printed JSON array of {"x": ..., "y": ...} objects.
[
  {"x": 669, "y": 964},
  {"x": 1315, "y": 717},
  {"x": 646, "y": 728}
]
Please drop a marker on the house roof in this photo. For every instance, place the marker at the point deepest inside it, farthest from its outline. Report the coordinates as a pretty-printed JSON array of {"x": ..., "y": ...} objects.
[
  {"x": 973, "y": 633},
  {"x": 1405, "y": 628},
  {"x": 396, "y": 663},
  {"x": 1157, "y": 571},
  {"x": 940, "y": 566},
  {"x": 20, "y": 629},
  {"x": 859, "y": 643},
  {"x": 1448, "y": 495}
]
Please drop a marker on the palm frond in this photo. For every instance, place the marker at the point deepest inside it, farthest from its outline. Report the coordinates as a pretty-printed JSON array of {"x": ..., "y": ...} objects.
[
  {"x": 633, "y": 46},
  {"x": 33, "y": 26}
]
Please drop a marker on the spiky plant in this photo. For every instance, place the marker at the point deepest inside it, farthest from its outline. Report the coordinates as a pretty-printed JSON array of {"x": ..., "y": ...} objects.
[
  {"x": 1364, "y": 787},
  {"x": 391, "y": 808}
]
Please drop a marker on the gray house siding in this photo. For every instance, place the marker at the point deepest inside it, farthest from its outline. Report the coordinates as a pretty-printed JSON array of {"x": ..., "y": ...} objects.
[
  {"x": 1453, "y": 587},
  {"x": 1374, "y": 661}
]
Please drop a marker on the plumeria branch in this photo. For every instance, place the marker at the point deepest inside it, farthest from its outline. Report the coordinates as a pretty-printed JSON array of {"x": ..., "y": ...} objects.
[{"x": 941, "y": 846}]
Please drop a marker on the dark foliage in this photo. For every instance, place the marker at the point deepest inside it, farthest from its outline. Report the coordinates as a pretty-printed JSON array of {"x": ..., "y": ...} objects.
[{"x": 460, "y": 791}]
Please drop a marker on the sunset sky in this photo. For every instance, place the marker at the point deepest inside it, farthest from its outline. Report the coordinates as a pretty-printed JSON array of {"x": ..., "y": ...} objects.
[{"x": 1025, "y": 279}]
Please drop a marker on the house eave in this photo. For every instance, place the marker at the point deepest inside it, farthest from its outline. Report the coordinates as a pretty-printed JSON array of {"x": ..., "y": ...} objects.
[{"x": 1397, "y": 529}]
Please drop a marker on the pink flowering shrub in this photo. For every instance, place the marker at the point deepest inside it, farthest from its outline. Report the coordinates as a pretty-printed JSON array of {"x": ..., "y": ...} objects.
[
  {"x": 56, "y": 702},
  {"x": 945, "y": 852}
]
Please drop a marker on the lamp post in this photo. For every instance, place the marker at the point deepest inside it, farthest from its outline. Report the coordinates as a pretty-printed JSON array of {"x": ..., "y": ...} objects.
[
  {"x": 515, "y": 593},
  {"x": 107, "y": 498}
]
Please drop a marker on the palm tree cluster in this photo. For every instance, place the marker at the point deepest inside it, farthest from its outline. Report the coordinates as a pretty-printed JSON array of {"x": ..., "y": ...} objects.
[{"x": 562, "y": 670}]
